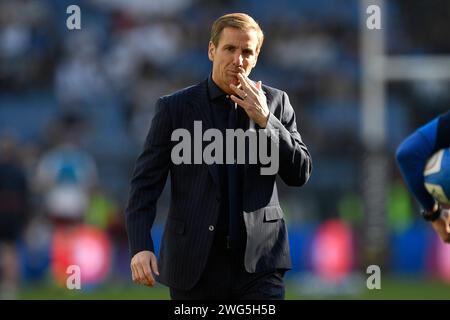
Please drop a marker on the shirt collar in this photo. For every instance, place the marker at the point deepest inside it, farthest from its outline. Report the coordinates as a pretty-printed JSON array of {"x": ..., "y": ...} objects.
[{"x": 214, "y": 90}]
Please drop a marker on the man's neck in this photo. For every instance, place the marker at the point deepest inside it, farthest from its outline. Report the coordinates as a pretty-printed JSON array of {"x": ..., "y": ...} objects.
[{"x": 224, "y": 88}]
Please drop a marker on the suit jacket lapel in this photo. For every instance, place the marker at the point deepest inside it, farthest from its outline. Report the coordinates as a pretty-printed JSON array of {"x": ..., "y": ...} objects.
[{"x": 202, "y": 110}]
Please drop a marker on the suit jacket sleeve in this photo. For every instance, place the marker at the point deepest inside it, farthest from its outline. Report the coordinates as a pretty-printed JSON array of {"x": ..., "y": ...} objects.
[
  {"x": 295, "y": 160},
  {"x": 149, "y": 177}
]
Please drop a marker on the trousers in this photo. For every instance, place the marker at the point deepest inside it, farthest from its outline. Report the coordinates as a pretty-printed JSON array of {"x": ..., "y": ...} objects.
[{"x": 225, "y": 278}]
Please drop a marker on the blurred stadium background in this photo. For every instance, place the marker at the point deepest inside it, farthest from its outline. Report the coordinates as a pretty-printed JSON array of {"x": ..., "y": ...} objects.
[{"x": 75, "y": 107}]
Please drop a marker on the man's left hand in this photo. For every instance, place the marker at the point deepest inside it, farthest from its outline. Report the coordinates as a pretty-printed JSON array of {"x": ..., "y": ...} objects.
[
  {"x": 445, "y": 215},
  {"x": 252, "y": 99}
]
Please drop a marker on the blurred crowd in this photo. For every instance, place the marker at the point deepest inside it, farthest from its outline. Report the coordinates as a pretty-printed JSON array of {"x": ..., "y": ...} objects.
[{"x": 75, "y": 105}]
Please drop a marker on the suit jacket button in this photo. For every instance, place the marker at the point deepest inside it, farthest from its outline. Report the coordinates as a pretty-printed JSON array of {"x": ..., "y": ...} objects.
[{"x": 211, "y": 228}]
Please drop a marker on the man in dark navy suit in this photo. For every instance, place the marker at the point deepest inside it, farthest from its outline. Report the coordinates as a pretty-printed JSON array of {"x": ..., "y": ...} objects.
[{"x": 225, "y": 236}]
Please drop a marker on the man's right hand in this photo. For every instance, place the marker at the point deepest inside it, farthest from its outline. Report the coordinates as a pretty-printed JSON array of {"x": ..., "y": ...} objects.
[
  {"x": 143, "y": 265},
  {"x": 442, "y": 225}
]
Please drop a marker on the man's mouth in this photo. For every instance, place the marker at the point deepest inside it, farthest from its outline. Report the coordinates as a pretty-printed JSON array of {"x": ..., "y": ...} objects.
[{"x": 236, "y": 71}]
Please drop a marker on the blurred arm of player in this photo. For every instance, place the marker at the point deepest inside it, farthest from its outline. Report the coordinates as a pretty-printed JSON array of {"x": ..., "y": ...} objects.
[
  {"x": 143, "y": 266},
  {"x": 412, "y": 156},
  {"x": 442, "y": 225}
]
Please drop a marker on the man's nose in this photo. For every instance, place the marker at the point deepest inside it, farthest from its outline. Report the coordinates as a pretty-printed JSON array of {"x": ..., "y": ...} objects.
[{"x": 238, "y": 59}]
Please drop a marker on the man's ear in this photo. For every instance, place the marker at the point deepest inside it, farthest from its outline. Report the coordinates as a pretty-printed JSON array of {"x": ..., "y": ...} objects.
[{"x": 211, "y": 50}]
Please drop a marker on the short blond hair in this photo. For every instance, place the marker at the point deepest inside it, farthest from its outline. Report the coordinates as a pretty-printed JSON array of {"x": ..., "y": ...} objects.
[{"x": 240, "y": 21}]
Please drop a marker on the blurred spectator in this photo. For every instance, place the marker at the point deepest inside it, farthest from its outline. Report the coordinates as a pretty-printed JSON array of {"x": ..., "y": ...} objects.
[
  {"x": 139, "y": 110},
  {"x": 79, "y": 77},
  {"x": 13, "y": 215},
  {"x": 26, "y": 49},
  {"x": 102, "y": 210},
  {"x": 65, "y": 175}
]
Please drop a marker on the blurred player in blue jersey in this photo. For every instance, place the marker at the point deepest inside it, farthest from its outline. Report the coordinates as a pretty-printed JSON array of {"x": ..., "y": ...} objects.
[{"x": 412, "y": 156}]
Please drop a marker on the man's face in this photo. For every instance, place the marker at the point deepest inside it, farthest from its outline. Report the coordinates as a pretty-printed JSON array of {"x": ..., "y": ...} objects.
[{"x": 235, "y": 53}]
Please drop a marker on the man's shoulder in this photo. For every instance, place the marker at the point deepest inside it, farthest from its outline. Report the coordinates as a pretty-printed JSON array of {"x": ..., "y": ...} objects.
[
  {"x": 182, "y": 95},
  {"x": 273, "y": 93}
]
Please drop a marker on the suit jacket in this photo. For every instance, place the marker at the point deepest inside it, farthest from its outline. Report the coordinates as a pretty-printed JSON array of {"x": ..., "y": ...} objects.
[{"x": 195, "y": 192}]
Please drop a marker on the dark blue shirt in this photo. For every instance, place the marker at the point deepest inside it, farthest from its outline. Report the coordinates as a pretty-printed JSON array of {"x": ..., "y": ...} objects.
[{"x": 226, "y": 115}]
